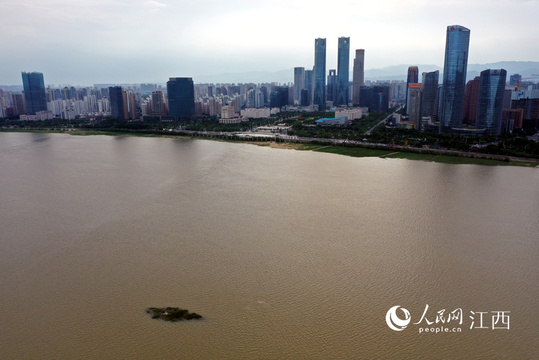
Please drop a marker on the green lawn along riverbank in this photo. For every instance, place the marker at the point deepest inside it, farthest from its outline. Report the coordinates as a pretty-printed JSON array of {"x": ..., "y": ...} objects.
[{"x": 401, "y": 154}]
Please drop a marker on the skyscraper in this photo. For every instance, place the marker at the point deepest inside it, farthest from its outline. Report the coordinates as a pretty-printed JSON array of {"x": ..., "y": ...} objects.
[
  {"x": 181, "y": 96},
  {"x": 158, "y": 103},
  {"x": 299, "y": 82},
  {"x": 429, "y": 100},
  {"x": 279, "y": 96},
  {"x": 471, "y": 99},
  {"x": 414, "y": 105},
  {"x": 129, "y": 99},
  {"x": 319, "y": 93},
  {"x": 331, "y": 94},
  {"x": 365, "y": 97},
  {"x": 490, "y": 105},
  {"x": 380, "y": 98},
  {"x": 118, "y": 104},
  {"x": 34, "y": 92},
  {"x": 358, "y": 76},
  {"x": 454, "y": 83},
  {"x": 413, "y": 75},
  {"x": 343, "y": 71},
  {"x": 309, "y": 86},
  {"x": 19, "y": 107}
]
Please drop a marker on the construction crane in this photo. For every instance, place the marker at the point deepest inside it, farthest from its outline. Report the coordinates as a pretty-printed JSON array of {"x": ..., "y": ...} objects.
[{"x": 526, "y": 78}]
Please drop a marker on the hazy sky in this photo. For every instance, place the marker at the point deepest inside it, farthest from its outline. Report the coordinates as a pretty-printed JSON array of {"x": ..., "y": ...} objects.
[{"x": 99, "y": 41}]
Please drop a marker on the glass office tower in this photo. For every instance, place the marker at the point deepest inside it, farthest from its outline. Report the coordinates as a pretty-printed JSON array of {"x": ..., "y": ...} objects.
[
  {"x": 299, "y": 82},
  {"x": 307, "y": 99},
  {"x": 454, "y": 82},
  {"x": 429, "y": 100},
  {"x": 118, "y": 103},
  {"x": 490, "y": 104},
  {"x": 343, "y": 71},
  {"x": 319, "y": 92},
  {"x": 34, "y": 92},
  {"x": 331, "y": 88},
  {"x": 181, "y": 96}
]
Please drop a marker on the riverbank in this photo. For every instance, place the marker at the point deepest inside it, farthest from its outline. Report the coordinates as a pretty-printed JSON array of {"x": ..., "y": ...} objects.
[{"x": 343, "y": 149}]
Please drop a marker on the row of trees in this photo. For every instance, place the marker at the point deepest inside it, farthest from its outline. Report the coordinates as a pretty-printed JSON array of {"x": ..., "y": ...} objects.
[{"x": 515, "y": 144}]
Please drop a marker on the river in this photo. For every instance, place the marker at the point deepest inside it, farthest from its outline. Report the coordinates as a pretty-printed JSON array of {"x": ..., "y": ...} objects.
[{"x": 286, "y": 254}]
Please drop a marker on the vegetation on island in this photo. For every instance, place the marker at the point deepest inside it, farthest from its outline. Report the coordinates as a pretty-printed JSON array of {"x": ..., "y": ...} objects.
[{"x": 171, "y": 314}]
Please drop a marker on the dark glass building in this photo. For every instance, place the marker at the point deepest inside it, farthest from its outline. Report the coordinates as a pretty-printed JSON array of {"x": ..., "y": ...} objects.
[
  {"x": 305, "y": 98},
  {"x": 490, "y": 105},
  {"x": 34, "y": 92},
  {"x": 365, "y": 95},
  {"x": 118, "y": 106},
  {"x": 299, "y": 82},
  {"x": 181, "y": 96},
  {"x": 279, "y": 96},
  {"x": 309, "y": 85},
  {"x": 471, "y": 98},
  {"x": 429, "y": 100},
  {"x": 343, "y": 71},
  {"x": 379, "y": 98},
  {"x": 454, "y": 83},
  {"x": 331, "y": 94},
  {"x": 319, "y": 92}
]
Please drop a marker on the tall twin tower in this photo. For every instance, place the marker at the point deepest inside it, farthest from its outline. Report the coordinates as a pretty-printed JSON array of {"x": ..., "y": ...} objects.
[{"x": 310, "y": 86}]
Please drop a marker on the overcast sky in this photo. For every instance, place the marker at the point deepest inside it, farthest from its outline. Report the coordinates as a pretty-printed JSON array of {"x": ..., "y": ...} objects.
[{"x": 83, "y": 42}]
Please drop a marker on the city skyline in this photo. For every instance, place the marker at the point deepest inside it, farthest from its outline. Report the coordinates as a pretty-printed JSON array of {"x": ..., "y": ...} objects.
[{"x": 142, "y": 41}]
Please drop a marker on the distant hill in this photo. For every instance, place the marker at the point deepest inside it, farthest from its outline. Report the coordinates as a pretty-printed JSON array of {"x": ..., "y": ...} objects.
[
  {"x": 282, "y": 76},
  {"x": 399, "y": 72},
  {"x": 396, "y": 72},
  {"x": 524, "y": 68}
]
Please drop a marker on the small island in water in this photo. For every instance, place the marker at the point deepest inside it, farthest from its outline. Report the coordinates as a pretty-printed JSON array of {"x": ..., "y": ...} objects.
[{"x": 171, "y": 314}]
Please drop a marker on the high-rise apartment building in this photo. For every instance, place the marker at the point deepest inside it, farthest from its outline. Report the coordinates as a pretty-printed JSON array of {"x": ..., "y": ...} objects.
[
  {"x": 454, "y": 83},
  {"x": 299, "y": 82},
  {"x": 19, "y": 107},
  {"x": 343, "y": 71},
  {"x": 158, "y": 103},
  {"x": 490, "y": 105},
  {"x": 414, "y": 105},
  {"x": 413, "y": 76},
  {"x": 181, "y": 96},
  {"x": 34, "y": 92},
  {"x": 429, "y": 99},
  {"x": 129, "y": 96},
  {"x": 516, "y": 115},
  {"x": 319, "y": 92},
  {"x": 358, "y": 75}
]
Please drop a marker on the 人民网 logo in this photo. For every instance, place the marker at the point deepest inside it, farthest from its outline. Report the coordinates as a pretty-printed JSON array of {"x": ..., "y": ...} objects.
[{"x": 394, "y": 321}]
